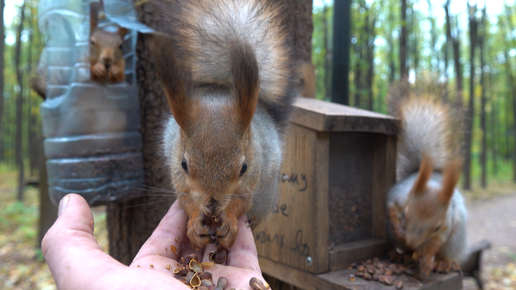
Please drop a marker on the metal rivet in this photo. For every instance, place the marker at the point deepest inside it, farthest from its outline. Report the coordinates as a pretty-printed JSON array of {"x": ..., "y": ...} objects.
[{"x": 309, "y": 261}]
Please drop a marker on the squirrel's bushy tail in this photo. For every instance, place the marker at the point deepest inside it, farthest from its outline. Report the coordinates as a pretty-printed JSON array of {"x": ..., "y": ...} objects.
[
  {"x": 426, "y": 130},
  {"x": 202, "y": 35}
]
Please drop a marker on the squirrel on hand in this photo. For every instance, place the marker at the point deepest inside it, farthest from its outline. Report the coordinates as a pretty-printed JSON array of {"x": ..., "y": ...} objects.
[
  {"x": 228, "y": 72},
  {"x": 426, "y": 211},
  {"x": 106, "y": 58}
]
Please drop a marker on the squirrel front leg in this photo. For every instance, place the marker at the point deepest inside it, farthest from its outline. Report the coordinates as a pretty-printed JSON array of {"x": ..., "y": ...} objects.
[
  {"x": 427, "y": 254},
  {"x": 116, "y": 73},
  {"x": 98, "y": 71},
  {"x": 228, "y": 230},
  {"x": 396, "y": 225}
]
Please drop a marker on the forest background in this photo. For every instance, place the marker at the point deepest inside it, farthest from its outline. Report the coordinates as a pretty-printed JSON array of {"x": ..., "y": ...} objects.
[{"x": 466, "y": 50}]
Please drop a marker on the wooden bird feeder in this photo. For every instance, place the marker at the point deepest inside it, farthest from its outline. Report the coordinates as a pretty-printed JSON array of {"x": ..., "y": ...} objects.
[{"x": 338, "y": 166}]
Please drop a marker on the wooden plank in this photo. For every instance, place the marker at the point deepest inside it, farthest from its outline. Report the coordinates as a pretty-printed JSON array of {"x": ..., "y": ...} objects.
[
  {"x": 288, "y": 235},
  {"x": 339, "y": 280},
  {"x": 384, "y": 177},
  {"x": 322, "y": 227},
  {"x": 342, "y": 256},
  {"x": 452, "y": 281},
  {"x": 295, "y": 277},
  {"x": 325, "y": 116}
]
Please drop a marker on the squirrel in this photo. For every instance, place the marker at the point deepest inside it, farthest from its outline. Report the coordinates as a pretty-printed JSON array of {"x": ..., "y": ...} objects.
[
  {"x": 426, "y": 211},
  {"x": 228, "y": 71},
  {"x": 106, "y": 58}
]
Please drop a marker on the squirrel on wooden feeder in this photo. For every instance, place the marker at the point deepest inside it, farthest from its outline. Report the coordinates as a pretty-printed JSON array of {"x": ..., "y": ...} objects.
[
  {"x": 426, "y": 211},
  {"x": 228, "y": 72}
]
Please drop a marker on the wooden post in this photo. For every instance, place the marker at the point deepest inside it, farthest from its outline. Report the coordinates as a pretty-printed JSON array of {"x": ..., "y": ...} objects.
[{"x": 341, "y": 43}]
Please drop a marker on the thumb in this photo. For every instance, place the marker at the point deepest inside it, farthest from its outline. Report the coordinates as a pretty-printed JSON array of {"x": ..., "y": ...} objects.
[{"x": 70, "y": 240}]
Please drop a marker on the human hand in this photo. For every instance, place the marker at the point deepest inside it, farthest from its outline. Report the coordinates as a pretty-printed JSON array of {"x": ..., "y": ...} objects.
[{"x": 77, "y": 261}]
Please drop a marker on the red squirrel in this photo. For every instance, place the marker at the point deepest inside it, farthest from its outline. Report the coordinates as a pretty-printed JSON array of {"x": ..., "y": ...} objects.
[
  {"x": 228, "y": 71},
  {"x": 106, "y": 58},
  {"x": 426, "y": 211}
]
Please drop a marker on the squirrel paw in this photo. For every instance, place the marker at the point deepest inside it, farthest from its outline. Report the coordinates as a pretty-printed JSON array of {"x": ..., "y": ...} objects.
[
  {"x": 446, "y": 267},
  {"x": 115, "y": 74},
  {"x": 425, "y": 267},
  {"x": 227, "y": 232},
  {"x": 198, "y": 231},
  {"x": 99, "y": 70}
]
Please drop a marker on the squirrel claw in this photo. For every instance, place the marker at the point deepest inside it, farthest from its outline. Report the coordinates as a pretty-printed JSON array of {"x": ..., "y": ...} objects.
[
  {"x": 99, "y": 70},
  {"x": 227, "y": 232},
  {"x": 198, "y": 232}
]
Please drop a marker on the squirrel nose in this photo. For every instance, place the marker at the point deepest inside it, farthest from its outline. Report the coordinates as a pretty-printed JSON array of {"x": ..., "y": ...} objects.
[
  {"x": 106, "y": 60},
  {"x": 213, "y": 206}
]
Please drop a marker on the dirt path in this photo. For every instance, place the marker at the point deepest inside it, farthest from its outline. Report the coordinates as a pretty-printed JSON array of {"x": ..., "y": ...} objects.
[{"x": 495, "y": 220}]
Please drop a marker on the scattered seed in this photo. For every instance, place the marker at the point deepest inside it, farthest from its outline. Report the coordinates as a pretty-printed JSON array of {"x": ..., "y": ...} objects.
[
  {"x": 173, "y": 249},
  {"x": 257, "y": 284},
  {"x": 399, "y": 285},
  {"x": 207, "y": 283},
  {"x": 367, "y": 276},
  {"x": 381, "y": 278},
  {"x": 388, "y": 272},
  {"x": 359, "y": 274},
  {"x": 138, "y": 266},
  {"x": 195, "y": 266},
  {"x": 195, "y": 281},
  {"x": 389, "y": 280},
  {"x": 351, "y": 277},
  {"x": 206, "y": 276},
  {"x": 152, "y": 266},
  {"x": 222, "y": 282},
  {"x": 169, "y": 267},
  {"x": 361, "y": 268}
]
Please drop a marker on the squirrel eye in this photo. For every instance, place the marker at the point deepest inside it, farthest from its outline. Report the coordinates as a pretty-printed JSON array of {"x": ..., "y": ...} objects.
[
  {"x": 438, "y": 228},
  {"x": 244, "y": 169},
  {"x": 183, "y": 164},
  {"x": 92, "y": 42},
  {"x": 120, "y": 46}
]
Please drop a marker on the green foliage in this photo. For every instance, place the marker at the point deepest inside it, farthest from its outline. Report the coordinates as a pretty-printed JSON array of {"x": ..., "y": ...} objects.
[{"x": 425, "y": 60}]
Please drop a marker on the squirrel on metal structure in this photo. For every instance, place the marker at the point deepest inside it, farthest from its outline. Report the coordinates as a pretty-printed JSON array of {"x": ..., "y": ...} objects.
[
  {"x": 426, "y": 211},
  {"x": 106, "y": 59},
  {"x": 228, "y": 71}
]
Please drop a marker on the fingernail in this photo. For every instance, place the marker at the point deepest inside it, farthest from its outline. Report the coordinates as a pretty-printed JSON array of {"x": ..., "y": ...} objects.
[{"x": 63, "y": 204}]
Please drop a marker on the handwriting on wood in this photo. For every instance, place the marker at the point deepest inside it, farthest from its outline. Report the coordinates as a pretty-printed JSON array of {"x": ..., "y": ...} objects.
[{"x": 289, "y": 234}]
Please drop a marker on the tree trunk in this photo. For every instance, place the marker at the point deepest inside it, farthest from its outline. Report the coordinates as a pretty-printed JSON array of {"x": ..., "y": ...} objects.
[
  {"x": 483, "y": 154},
  {"x": 327, "y": 54},
  {"x": 47, "y": 211},
  {"x": 403, "y": 41},
  {"x": 19, "y": 104},
  {"x": 510, "y": 77},
  {"x": 456, "y": 56},
  {"x": 2, "y": 52},
  {"x": 494, "y": 131},
  {"x": 390, "y": 41},
  {"x": 471, "y": 106},
  {"x": 131, "y": 222},
  {"x": 370, "y": 58}
]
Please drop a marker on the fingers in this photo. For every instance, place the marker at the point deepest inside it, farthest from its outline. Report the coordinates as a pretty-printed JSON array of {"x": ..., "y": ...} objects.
[
  {"x": 243, "y": 254},
  {"x": 69, "y": 246},
  {"x": 168, "y": 237}
]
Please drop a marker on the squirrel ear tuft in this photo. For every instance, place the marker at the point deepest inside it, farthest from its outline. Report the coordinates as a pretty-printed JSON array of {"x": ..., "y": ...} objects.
[
  {"x": 451, "y": 176},
  {"x": 94, "y": 16},
  {"x": 244, "y": 68},
  {"x": 122, "y": 31},
  {"x": 175, "y": 78},
  {"x": 425, "y": 171}
]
